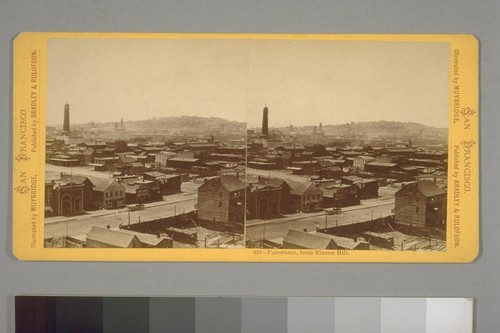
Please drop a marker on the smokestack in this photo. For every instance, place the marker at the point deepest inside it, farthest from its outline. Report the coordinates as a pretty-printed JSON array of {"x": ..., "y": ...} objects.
[
  {"x": 265, "y": 124},
  {"x": 66, "y": 118}
]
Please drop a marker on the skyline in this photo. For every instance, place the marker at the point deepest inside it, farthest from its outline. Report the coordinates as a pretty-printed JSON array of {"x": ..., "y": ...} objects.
[
  {"x": 301, "y": 80},
  {"x": 60, "y": 125}
]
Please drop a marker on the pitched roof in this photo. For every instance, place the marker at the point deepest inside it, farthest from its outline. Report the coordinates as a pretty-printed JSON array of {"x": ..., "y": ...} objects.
[
  {"x": 88, "y": 152},
  {"x": 329, "y": 190},
  {"x": 298, "y": 188},
  {"x": 400, "y": 150},
  {"x": 150, "y": 148},
  {"x": 155, "y": 174},
  {"x": 308, "y": 241},
  {"x": 112, "y": 238},
  {"x": 131, "y": 188},
  {"x": 383, "y": 164},
  {"x": 231, "y": 183},
  {"x": 74, "y": 178},
  {"x": 353, "y": 178},
  {"x": 409, "y": 168},
  {"x": 136, "y": 164},
  {"x": 272, "y": 181},
  {"x": 356, "y": 179},
  {"x": 127, "y": 159},
  {"x": 343, "y": 242},
  {"x": 101, "y": 184},
  {"x": 183, "y": 159},
  {"x": 228, "y": 182},
  {"x": 147, "y": 239},
  {"x": 428, "y": 188},
  {"x": 202, "y": 144},
  {"x": 326, "y": 163}
]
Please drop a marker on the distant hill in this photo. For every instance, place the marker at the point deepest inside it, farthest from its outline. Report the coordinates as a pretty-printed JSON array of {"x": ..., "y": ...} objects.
[
  {"x": 177, "y": 125},
  {"x": 205, "y": 125},
  {"x": 378, "y": 129}
]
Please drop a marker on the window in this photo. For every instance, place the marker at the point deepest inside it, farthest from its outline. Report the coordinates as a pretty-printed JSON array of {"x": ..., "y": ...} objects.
[
  {"x": 220, "y": 204},
  {"x": 416, "y": 209}
]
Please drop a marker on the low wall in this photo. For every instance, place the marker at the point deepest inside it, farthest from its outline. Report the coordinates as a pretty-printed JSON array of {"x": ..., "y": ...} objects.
[
  {"x": 160, "y": 225},
  {"x": 420, "y": 231},
  {"x": 355, "y": 228}
]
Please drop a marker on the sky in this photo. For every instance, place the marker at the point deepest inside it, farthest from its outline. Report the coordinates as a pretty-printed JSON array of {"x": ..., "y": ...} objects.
[{"x": 301, "y": 82}]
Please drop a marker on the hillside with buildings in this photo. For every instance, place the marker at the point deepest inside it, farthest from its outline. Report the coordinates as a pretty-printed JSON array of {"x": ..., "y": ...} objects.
[
  {"x": 375, "y": 130},
  {"x": 183, "y": 124}
]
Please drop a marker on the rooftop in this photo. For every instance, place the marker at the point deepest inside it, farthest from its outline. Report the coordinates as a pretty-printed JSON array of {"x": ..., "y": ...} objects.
[
  {"x": 307, "y": 241},
  {"x": 113, "y": 238},
  {"x": 101, "y": 184}
]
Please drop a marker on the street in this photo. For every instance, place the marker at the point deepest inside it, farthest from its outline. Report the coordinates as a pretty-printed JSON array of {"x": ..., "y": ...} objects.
[
  {"x": 276, "y": 228},
  {"x": 81, "y": 224}
]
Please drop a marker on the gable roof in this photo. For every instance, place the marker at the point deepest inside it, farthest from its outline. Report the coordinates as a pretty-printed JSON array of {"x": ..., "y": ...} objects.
[
  {"x": 326, "y": 163},
  {"x": 382, "y": 164},
  {"x": 425, "y": 187},
  {"x": 74, "y": 178},
  {"x": 102, "y": 184},
  {"x": 127, "y": 159},
  {"x": 231, "y": 183},
  {"x": 146, "y": 239},
  {"x": 273, "y": 182},
  {"x": 131, "y": 187},
  {"x": 136, "y": 165},
  {"x": 344, "y": 242},
  {"x": 228, "y": 182},
  {"x": 428, "y": 188},
  {"x": 112, "y": 238},
  {"x": 308, "y": 241},
  {"x": 155, "y": 174},
  {"x": 299, "y": 188}
]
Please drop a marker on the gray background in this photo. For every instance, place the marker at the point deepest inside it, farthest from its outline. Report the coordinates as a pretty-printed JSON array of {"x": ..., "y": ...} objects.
[{"x": 479, "y": 280}]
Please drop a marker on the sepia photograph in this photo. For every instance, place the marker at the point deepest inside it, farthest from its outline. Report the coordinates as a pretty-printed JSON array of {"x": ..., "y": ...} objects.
[
  {"x": 234, "y": 143},
  {"x": 145, "y": 143},
  {"x": 350, "y": 150}
]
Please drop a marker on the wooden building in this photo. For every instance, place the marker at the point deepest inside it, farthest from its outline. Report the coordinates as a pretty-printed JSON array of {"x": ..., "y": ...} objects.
[
  {"x": 305, "y": 197},
  {"x": 295, "y": 239},
  {"x": 106, "y": 238},
  {"x": 338, "y": 195},
  {"x": 368, "y": 186},
  {"x": 108, "y": 193},
  {"x": 421, "y": 204},
  {"x": 222, "y": 200},
  {"x": 168, "y": 183}
]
